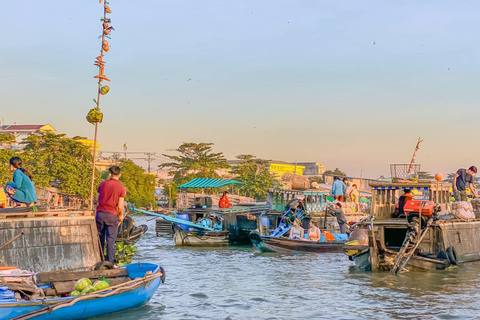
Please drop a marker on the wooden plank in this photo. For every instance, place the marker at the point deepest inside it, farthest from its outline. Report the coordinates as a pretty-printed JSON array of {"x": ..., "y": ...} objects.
[
  {"x": 57, "y": 276},
  {"x": 64, "y": 287}
]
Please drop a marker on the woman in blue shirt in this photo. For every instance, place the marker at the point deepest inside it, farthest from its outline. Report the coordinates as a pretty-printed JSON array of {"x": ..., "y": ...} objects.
[{"x": 21, "y": 190}]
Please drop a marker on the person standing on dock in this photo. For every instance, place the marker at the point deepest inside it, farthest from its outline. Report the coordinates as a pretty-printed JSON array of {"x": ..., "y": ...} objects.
[
  {"x": 338, "y": 189},
  {"x": 111, "y": 196},
  {"x": 460, "y": 181}
]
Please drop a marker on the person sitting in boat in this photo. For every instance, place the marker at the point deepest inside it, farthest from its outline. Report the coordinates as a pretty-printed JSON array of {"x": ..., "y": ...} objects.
[
  {"x": 224, "y": 202},
  {"x": 296, "y": 231},
  {"x": 22, "y": 189},
  {"x": 313, "y": 231},
  {"x": 408, "y": 195}
]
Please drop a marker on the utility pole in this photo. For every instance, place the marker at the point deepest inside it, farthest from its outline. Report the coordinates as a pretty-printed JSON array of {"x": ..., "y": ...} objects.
[
  {"x": 295, "y": 167},
  {"x": 169, "y": 198},
  {"x": 149, "y": 159}
]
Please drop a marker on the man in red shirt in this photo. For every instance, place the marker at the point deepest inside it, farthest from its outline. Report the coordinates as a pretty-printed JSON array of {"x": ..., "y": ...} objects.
[{"x": 111, "y": 195}]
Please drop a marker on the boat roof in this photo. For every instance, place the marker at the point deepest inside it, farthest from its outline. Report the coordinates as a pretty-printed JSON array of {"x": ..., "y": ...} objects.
[{"x": 208, "y": 183}]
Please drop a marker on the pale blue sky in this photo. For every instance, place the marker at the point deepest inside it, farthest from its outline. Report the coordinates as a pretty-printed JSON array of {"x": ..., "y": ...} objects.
[{"x": 351, "y": 84}]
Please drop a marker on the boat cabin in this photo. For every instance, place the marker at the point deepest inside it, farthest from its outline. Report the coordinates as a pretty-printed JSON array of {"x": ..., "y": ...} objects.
[
  {"x": 385, "y": 195},
  {"x": 315, "y": 199}
]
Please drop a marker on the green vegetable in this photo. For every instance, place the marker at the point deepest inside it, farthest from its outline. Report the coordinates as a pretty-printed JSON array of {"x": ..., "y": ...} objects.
[
  {"x": 75, "y": 293},
  {"x": 82, "y": 284},
  {"x": 88, "y": 289},
  {"x": 100, "y": 285}
]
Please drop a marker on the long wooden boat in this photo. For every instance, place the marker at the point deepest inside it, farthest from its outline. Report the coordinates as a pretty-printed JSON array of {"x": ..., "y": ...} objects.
[
  {"x": 136, "y": 285},
  {"x": 284, "y": 245},
  {"x": 200, "y": 238}
]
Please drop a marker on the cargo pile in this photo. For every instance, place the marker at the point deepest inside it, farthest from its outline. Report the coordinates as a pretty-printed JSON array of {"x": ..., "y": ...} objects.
[
  {"x": 463, "y": 210},
  {"x": 84, "y": 286}
]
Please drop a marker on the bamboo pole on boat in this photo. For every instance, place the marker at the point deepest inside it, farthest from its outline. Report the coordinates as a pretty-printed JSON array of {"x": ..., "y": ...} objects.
[{"x": 101, "y": 77}]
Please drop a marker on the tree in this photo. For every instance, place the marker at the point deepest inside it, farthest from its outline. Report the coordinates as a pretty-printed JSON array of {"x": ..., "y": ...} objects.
[
  {"x": 336, "y": 172},
  {"x": 425, "y": 175},
  {"x": 5, "y": 174},
  {"x": 450, "y": 177},
  {"x": 55, "y": 157},
  {"x": 7, "y": 140},
  {"x": 139, "y": 184},
  {"x": 256, "y": 174},
  {"x": 197, "y": 159}
]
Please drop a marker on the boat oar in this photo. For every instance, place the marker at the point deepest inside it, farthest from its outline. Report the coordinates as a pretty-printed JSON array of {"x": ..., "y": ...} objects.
[{"x": 11, "y": 240}]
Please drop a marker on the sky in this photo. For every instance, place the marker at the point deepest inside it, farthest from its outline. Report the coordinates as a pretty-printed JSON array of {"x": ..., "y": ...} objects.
[{"x": 351, "y": 84}]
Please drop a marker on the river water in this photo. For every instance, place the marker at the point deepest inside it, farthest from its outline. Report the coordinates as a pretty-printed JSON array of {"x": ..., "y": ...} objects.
[{"x": 241, "y": 283}]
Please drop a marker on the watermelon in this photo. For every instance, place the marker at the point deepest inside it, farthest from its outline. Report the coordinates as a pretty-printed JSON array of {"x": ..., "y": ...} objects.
[
  {"x": 75, "y": 293},
  {"x": 88, "y": 289},
  {"x": 82, "y": 284},
  {"x": 100, "y": 285}
]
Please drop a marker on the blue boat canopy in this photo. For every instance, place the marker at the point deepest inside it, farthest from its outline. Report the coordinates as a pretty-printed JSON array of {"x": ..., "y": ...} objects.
[{"x": 208, "y": 183}]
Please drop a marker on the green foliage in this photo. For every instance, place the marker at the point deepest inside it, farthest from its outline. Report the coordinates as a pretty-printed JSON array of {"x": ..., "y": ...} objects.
[
  {"x": 6, "y": 138},
  {"x": 196, "y": 159},
  {"x": 425, "y": 175},
  {"x": 450, "y": 177},
  {"x": 139, "y": 184},
  {"x": 337, "y": 172},
  {"x": 55, "y": 157},
  {"x": 124, "y": 253},
  {"x": 5, "y": 173},
  {"x": 256, "y": 174}
]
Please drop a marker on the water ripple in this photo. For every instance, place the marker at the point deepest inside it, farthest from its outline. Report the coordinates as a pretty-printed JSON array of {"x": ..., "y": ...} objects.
[{"x": 240, "y": 283}]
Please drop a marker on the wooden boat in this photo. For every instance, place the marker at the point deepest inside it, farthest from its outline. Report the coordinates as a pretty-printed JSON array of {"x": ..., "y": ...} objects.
[
  {"x": 445, "y": 242},
  {"x": 135, "y": 286},
  {"x": 284, "y": 245},
  {"x": 200, "y": 238}
]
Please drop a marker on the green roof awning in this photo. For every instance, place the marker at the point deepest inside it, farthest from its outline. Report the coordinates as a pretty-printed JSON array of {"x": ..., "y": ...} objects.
[{"x": 208, "y": 183}]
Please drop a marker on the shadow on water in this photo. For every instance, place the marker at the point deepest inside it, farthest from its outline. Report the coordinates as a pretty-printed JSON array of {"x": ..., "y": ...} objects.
[{"x": 241, "y": 283}]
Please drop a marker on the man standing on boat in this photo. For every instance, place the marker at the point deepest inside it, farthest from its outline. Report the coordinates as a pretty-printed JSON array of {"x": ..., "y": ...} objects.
[
  {"x": 111, "y": 195},
  {"x": 338, "y": 189},
  {"x": 460, "y": 181}
]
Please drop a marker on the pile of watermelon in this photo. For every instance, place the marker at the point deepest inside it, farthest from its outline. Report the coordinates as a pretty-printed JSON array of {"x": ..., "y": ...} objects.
[{"x": 84, "y": 286}]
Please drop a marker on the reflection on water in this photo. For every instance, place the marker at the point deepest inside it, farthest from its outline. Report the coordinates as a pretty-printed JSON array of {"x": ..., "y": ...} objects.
[{"x": 239, "y": 283}]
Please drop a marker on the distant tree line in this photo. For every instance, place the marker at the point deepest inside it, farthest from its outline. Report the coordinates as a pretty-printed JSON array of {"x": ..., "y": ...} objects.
[{"x": 55, "y": 159}]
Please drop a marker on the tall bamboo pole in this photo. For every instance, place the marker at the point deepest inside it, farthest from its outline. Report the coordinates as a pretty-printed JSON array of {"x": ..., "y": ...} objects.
[{"x": 99, "y": 90}]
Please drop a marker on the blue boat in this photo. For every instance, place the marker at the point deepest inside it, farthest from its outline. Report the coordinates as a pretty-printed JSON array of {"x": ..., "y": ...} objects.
[{"x": 142, "y": 280}]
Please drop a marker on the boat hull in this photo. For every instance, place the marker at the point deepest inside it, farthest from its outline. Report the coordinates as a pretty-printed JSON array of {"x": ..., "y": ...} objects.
[
  {"x": 96, "y": 306},
  {"x": 197, "y": 239},
  {"x": 283, "y": 245}
]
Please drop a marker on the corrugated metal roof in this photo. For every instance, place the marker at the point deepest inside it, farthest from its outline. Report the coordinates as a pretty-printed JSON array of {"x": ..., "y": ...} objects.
[{"x": 208, "y": 183}]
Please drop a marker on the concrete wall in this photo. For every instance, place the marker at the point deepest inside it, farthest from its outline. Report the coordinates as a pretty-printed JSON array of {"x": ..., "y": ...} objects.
[{"x": 49, "y": 243}]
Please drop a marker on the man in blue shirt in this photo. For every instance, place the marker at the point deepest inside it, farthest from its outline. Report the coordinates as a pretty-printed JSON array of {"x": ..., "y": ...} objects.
[
  {"x": 462, "y": 179},
  {"x": 338, "y": 189}
]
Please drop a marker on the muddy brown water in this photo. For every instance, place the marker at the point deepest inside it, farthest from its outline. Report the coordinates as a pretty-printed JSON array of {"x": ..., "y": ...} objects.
[{"x": 241, "y": 283}]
